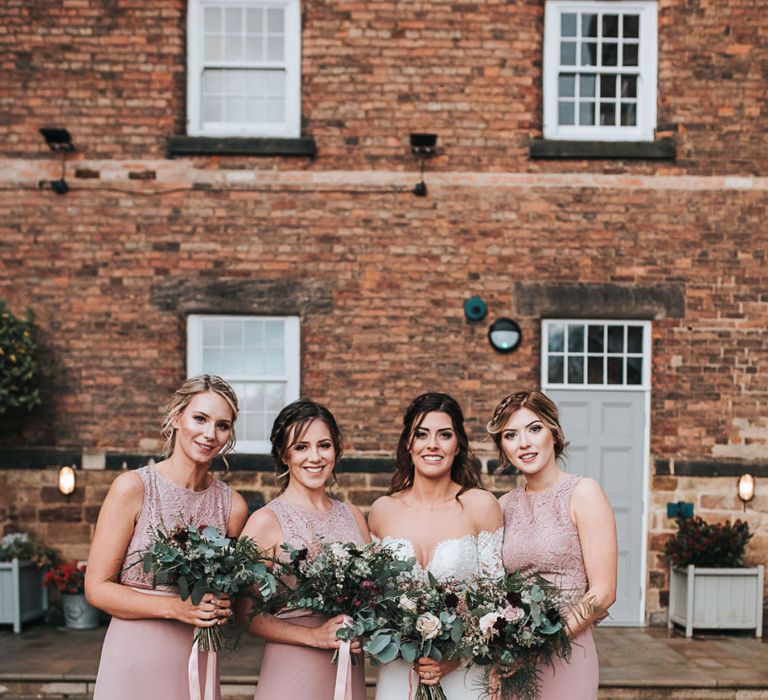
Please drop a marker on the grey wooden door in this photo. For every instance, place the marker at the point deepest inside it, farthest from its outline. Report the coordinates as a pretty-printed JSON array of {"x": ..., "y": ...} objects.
[{"x": 606, "y": 431}]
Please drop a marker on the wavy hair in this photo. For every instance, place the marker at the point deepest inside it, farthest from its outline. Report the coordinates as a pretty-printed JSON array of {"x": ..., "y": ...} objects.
[{"x": 463, "y": 471}]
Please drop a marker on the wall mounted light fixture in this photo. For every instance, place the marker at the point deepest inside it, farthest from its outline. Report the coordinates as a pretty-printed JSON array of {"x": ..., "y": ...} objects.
[
  {"x": 423, "y": 146},
  {"x": 59, "y": 141},
  {"x": 475, "y": 309},
  {"x": 504, "y": 335},
  {"x": 746, "y": 488},
  {"x": 67, "y": 480}
]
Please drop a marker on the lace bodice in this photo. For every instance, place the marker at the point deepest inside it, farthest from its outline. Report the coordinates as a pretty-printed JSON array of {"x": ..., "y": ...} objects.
[
  {"x": 459, "y": 557},
  {"x": 304, "y": 528},
  {"x": 164, "y": 507},
  {"x": 539, "y": 535}
]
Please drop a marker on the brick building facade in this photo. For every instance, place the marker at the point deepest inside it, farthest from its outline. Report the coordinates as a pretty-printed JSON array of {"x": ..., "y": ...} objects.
[{"x": 160, "y": 224}]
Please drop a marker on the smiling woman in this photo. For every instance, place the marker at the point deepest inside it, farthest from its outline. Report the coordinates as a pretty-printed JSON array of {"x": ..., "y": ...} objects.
[{"x": 147, "y": 647}]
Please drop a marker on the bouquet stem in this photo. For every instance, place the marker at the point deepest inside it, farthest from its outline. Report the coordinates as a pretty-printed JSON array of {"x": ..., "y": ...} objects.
[
  {"x": 209, "y": 638},
  {"x": 430, "y": 692}
]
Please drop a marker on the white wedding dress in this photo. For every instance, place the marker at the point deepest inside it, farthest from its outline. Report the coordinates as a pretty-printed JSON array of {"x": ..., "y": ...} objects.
[{"x": 459, "y": 558}]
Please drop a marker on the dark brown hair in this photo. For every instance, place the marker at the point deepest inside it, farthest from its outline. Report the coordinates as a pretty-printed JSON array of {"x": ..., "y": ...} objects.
[
  {"x": 535, "y": 401},
  {"x": 289, "y": 427},
  {"x": 463, "y": 471}
]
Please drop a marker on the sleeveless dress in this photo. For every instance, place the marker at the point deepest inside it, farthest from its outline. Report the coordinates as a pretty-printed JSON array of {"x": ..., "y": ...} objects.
[
  {"x": 458, "y": 558},
  {"x": 148, "y": 658},
  {"x": 294, "y": 671},
  {"x": 539, "y": 535}
]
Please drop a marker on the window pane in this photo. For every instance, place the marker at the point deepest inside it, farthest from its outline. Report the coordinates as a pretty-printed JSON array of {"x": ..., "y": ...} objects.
[
  {"x": 233, "y": 20},
  {"x": 555, "y": 338},
  {"x": 615, "y": 338},
  {"x": 275, "y": 46},
  {"x": 275, "y": 21},
  {"x": 588, "y": 25},
  {"x": 274, "y": 396},
  {"x": 274, "y": 334},
  {"x": 631, "y": 26},
  {"x": 587, "y": 84},
  {"x": 212, "y": 20},
  {"x": 566, "y": 113},
  {"x": 568, "y": 24},
  {"x": 254, "y": 48},
  {"x": 254, "y": 334},
  {"x": 575, "y": 370},
  {"x": 629, "y": 54},
  {"x": 567, "y": 53},
  {"x": 595, "y": 343},
  {"x": 555, "y": 369},
  {"x": 634, "y": 339},
  {"x": 232, "y": 334},
  {"x": 586, "y": 113},
  {"x": 610, "y": 25},
  {"x": 233, "y": 45},
  {"x": 589, "y": 54},
  {"x": 211, "y": 334},
  {"x": 607, "y": 85},
  {"x": 234, "y": 109},
  {"x": 595, "y": 370},
  {"x": 629, "y": 86},
  {"x": 615, "y": 370},
  {"x": 212, "y": 47},
  {"x": 274, "y": 362},
  {"x": 634, "y": 370},
  {"x": 567, "y": 85},
  {"x": 628, "y": 114},
  {"x": 254, "y": 363},
  {"x": 610, "y": 54},
  {"x": 254, "y": 20},
  {"x": 575, "y": 338},
  {"x": 607, "y": 114}
]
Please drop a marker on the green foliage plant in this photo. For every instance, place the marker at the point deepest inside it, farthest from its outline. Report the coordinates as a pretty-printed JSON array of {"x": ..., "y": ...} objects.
[
  {"x": 703, "y": 544},
  {"x": 19, "y": 368}
]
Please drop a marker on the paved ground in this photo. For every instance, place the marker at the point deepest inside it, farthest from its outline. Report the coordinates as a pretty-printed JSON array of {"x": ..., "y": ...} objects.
[{"x": 634, "y": 663}]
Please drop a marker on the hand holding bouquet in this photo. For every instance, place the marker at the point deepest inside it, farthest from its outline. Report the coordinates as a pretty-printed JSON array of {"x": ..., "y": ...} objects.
[{"x": 202, "y": 560}]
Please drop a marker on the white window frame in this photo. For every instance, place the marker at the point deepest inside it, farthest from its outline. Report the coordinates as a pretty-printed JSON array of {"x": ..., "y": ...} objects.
[
  {"x": 292, "y": 364},
  {"x": 291, "y": 128},
  {"x": 546, "y": 324},
  {"x": 647, "y": 68}
]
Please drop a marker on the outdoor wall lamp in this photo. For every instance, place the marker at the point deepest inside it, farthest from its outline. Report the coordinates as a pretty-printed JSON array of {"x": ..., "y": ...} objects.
[
  {"x": 746, "y": 489},
  {"x": 475, "y": 309},
  {"x": 423, "y": 147},
  {"x": 67, "y": 480},
  {"x": 504, "y": 335},
  {"x": 59, "y": 141}
]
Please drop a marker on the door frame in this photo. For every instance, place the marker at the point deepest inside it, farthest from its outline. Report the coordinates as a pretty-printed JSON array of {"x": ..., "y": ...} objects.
[{"x": 645, "y": 388}]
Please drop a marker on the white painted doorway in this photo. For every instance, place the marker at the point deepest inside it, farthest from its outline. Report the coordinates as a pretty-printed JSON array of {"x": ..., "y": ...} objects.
[{"x": 598, "y": 373}]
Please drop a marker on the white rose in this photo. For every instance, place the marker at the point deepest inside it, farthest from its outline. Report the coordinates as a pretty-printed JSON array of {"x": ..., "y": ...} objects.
[
  {"x": 407, "y": 604},
  {"x": 487, "y": 622},
  {"x": 428, "y": 626},
  {"x": 512, "y": 614}
]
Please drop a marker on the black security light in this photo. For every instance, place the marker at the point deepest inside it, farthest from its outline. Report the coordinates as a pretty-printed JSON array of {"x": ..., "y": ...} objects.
[
  {"x": 423, "y": 146},
  {"x": 59, "y": 141}
]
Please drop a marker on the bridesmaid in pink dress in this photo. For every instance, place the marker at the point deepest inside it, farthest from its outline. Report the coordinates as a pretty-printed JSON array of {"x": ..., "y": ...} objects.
[
  {"x": 560, "y": 526},
  {"x": 147, "y": 647},
  {"x": 306, "y": 444}
]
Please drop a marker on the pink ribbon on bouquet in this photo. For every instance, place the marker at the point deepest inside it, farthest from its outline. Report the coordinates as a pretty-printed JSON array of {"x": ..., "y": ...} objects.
[
  {"x": 343, "y": 689},
  {"x": 193, "y": 674}
]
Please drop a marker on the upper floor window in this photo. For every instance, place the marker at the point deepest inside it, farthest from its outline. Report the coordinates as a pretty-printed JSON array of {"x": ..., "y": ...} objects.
[
  {"x": 600, "y": 70},
  {"x": 259, "y": 357},
  {"x": 244, "y": 68}
]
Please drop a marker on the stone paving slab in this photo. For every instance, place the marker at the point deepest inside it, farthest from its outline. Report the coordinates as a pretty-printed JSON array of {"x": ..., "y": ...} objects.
[{"x": 634, "y": 663}]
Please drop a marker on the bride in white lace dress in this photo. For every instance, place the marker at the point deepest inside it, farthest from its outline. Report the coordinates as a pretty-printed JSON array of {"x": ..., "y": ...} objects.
[{"x": 437, "y": 512}]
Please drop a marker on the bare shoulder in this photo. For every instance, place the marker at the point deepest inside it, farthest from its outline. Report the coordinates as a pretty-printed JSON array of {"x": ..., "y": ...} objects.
[
  {"x": 589, "y": 502},
  {"x": 479, "y": 500},
  {"x": 238, "y": 513},
  {"x": 588, "y": 490},
  {"x": 263, "y": 527},
  {"x": 127, "y": 486},
  {"x": 357, "y": 514},
  {"x": 380, "y": 512}
]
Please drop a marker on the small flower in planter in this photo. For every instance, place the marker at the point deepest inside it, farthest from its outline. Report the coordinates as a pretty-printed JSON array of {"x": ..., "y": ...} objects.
[
  {"x": 703, "y": 544},
  {"x": 68, "y": 577},
  {"x": 19, "y": 545}
]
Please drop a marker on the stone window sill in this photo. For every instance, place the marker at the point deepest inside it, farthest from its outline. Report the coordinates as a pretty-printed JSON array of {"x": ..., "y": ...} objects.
[
  {"x": 663, "y": 149},
  {"x": 228, "y": 146}
]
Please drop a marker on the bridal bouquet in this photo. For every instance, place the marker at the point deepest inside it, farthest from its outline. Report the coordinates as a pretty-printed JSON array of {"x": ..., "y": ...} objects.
[
  {"x": 202, "y": 560},
  {"x": 509, "y": 626},
  {"x": 420, "y": 620}
]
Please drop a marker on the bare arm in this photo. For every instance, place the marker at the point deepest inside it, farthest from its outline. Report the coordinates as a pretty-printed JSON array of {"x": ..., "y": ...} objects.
[
  {"x": 114, "y": 531},
  {"x": 596, "y": 525},
  {"x": 238, "y": 514},
  {"x": 360, "y": 520}
]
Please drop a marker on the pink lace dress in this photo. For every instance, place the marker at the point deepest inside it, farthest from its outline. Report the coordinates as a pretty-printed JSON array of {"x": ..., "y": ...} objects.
[
  {"x": 539, "y": 535},
  {"x": 293, "y": 671},
  {"x": 148, "y": 658}
]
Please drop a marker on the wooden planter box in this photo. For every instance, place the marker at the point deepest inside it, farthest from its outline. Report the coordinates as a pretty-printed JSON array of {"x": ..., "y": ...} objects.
[
  {"x": 22, "y": 594},
  {"x": 710, "y": 598}
]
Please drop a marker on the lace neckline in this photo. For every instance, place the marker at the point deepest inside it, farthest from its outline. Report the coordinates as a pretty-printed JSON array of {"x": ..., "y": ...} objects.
[
  {"x": 550, "y": 490},
  {"x": 435, "y": 550},
  {"x": 182, "y": 488},
  {"x": 321, "y": 513}
]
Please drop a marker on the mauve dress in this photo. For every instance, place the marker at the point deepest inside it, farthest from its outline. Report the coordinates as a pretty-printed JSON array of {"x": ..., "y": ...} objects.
[
  {"x": 539, "y": 535},
  {"x": 148, "y": 658},
  {"x": 293, "y": 671}
]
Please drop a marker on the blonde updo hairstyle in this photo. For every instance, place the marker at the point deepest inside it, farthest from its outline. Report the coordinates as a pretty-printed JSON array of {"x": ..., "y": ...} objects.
[
  {"x": 535, "y": 401},
  {"x": 182, "y": 398}
]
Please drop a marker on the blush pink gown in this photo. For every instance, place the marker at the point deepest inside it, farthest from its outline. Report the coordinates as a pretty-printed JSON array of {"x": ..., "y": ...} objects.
[
  {"x": 539, "y": 535},
  {"x": 148, "y": 658},
  {"x": 288, "y": 670}
]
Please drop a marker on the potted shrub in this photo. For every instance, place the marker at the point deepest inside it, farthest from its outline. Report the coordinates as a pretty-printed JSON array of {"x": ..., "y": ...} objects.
[
  {"x": 69, "y": 579},
  {"x": 709, "y": 587},
  {"x": 22, "y": 594}
]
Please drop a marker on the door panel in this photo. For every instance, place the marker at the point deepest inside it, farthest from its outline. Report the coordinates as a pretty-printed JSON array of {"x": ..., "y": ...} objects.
[{"x": 605, "y": 431}]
